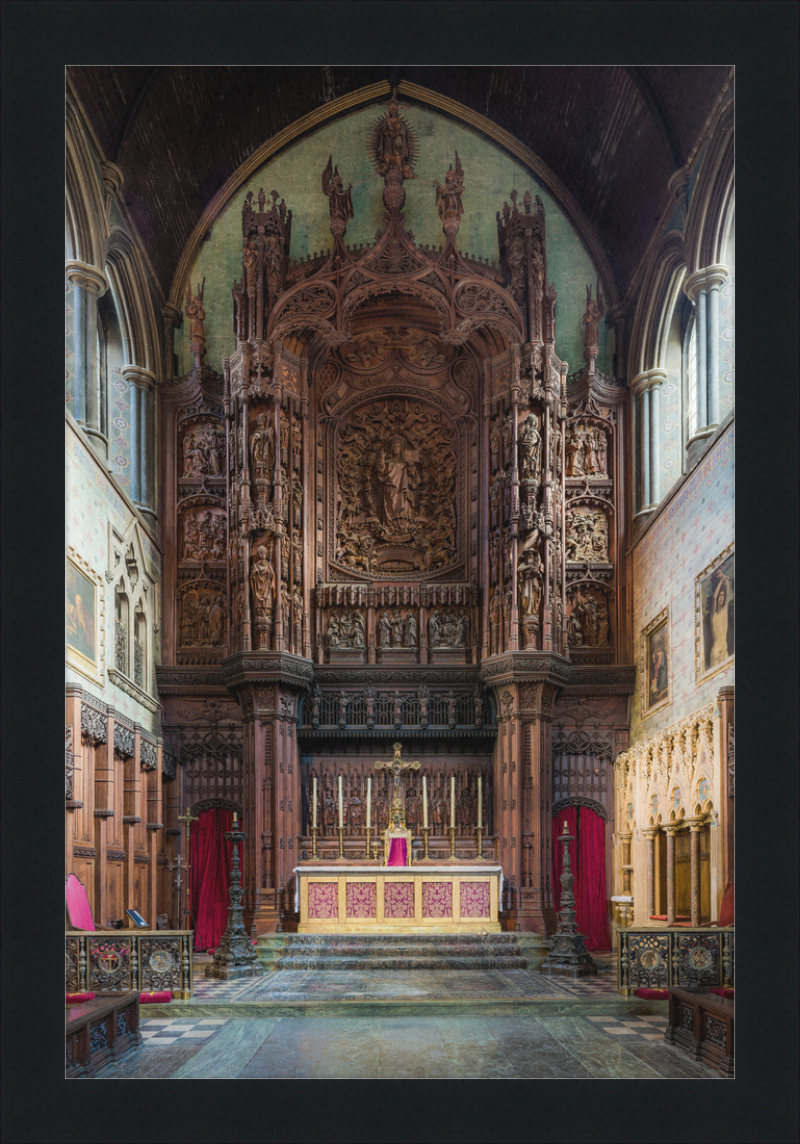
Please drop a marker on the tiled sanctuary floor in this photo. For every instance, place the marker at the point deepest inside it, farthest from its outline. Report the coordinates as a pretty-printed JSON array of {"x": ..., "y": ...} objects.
[{"x": 452, "y": 1025}]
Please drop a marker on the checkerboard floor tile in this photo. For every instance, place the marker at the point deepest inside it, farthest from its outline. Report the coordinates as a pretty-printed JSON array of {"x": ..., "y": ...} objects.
[
  {"x": 159, "y": 1031},
  {"x": 635, "y": 1029}
]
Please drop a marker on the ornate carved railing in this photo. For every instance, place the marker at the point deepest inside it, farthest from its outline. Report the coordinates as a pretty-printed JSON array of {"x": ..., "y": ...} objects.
[
  {"x": 396, "y": 708},
  {"x": 656, "y": 959},
  {"x": 116, "y": 963}
]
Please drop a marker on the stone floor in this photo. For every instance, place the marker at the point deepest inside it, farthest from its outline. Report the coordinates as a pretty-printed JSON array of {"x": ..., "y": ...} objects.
[{"x": 491, "y": 1024}]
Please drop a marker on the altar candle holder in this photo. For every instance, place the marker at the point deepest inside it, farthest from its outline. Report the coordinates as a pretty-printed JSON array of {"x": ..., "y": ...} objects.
[
  {"x": 480, "y": 842},
  {"x": 341, "y": 843},
  {"x": 452, "y": 833},
  {"x": 369, "y": 835},
  {"x": 426, "y": 831},
  {"x": 314, "y": 833}
]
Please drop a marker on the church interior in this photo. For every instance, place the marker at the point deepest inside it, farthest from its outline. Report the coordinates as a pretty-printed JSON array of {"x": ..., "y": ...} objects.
[{"x": 400, "y": 572}]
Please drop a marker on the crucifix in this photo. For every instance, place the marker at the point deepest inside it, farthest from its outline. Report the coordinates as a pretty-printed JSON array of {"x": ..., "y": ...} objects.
[
  {"x": 177, "y": 866},
  {"x": 188, "y": 819},
  {"x": 397, "y": 765}
]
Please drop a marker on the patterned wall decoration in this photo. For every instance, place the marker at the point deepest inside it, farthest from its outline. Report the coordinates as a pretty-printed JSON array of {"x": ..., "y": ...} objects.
[
  {"x": 727, "y": 346},
  {"x": 689, "y": 532},
  {"x": 119, "y": 427},
  {"x": 671, "y": 435}
]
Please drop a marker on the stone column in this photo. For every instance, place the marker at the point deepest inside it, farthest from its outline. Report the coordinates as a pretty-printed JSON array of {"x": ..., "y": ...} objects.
[
  {"x": 650, "y": 867},
  {"x": 695, "y": 826},
  {"x": 702, "y": 288},
  {"x": 647, "y": 386},
  {"x": 142, "y": 383},
  {"x": 88, "y": 284},
  {"x": 625, "y": 840},
  {"x": 670, "y": 832}
]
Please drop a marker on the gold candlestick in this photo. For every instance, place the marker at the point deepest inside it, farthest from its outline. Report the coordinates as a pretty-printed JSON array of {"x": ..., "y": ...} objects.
[
  {"x": 426, "y": 831},
  {"x": 480, "y": 841},
  {"x": 341, "y": 843},
  {"x": 452, "y": 832},
  {"x": 314, "y": 832},
  {"x": 369, "y": 834}
]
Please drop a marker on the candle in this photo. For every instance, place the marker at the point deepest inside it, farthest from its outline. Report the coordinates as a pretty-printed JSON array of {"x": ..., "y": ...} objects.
[
  {"x": 314, "y": 805},
  {"x": 235, "y": 821},
  {"x": 565, "y": 826},
  {"x": 452, "y": 802},
  {"x": 369, "y": 801},
  {"x": 480, "y": 804},
  {"x": 341, "y": 806},
  {"x": 424, "y": 801}
]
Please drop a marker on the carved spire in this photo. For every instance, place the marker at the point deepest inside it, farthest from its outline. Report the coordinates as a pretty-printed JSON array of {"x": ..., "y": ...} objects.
[
  {"x": 521, "y": 239},
  {"x": 591, "y": 318},
  {"x": 265, "y": 252}
]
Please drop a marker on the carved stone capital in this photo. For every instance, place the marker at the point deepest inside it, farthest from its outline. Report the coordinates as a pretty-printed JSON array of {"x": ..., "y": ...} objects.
[
  {"x": 89, "y": 277},
  {"x": 650, "y": 379},
  {"x": 711, "y": 277},
  {"x": 138, "y": 375},
  {"x": 148, "y": 755},
  {"x": 94, "y": 724},
  {"x": 172, "y": 315},
  {"x": 113, "y": 178},
  {"x": 677, "y": 183},
  {"x": 529, "y": 667}
]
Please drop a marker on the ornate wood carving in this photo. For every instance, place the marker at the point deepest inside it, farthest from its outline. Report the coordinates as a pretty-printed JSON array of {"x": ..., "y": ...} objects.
[{"x": 94, "y": 724}]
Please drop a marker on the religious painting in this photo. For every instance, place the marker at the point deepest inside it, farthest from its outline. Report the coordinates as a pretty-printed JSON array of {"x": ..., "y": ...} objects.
[
  {"x": 84, "y": 618},
  {"x": 714, "y": 615},
  {"x": 656, "y": 682}
]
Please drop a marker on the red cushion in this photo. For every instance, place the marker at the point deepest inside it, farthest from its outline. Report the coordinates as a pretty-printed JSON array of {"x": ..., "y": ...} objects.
[
  {"x": 76, "y": 998},
  {"x": 652, "y": 994},
  {"x": 722, "y": 992},
  {"x": 155, "y": 998},
  {"x": 726, "y": 908}
]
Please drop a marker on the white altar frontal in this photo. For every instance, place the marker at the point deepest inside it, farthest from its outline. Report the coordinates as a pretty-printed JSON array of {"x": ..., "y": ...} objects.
[{"x": 450, "y": 898}]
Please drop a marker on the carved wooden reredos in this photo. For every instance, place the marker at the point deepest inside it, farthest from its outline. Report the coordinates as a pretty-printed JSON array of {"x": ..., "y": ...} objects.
[{"x": 392, "y": 482}]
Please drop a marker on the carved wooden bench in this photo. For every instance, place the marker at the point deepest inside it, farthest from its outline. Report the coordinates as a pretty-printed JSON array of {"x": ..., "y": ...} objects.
[
  {"x": 701, "y": 1022},
  {"x": 100, "y": 1031}
]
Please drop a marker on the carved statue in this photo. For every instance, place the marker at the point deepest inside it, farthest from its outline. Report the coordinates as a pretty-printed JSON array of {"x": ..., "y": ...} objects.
[
  {"x": 530, "y": 582},
  {"x": 589, "y": 622},
  {"x": 262, "y": 448},
  {"x": 197, "y": 316},
  {"x": 591, "y": 319},
  {"x": 448, "y": 197},
  {"x": 346, "y": 630},
  {"x": 393, "y": 149},
  {"x": 508, "y": 438},
  {"x": 530, "y": 448},
  {"x": 397, "y": 628},
  {"x": 262, "y": 584},
  {"x": 448, "y": 628},
  {"x": 385, "y": 630},
  {"x": 297, "y": 446},
  {"x": 495, "y": 436},
  {"x": 591, "y": 461},
  {"x": 587, "y": 535},
  {"x": 355, "y": 811},
  {"x": 398, "y": 477},
  {"x": 297, "y": 558},
  {"x": 339, "y": 199},
  {"x": 410, "y": 631},
  {"x": 494, "y": 557},
  {"x": 575, "y": 447}
]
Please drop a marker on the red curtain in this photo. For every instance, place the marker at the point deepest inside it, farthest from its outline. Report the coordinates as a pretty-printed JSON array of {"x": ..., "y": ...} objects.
[
  {"x": 588, "y": 859},
  {"x": 211, "y": 863}
]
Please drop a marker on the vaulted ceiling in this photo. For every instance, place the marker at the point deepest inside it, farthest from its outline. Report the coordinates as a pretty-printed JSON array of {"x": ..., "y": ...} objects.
[{"x": 612, "y": 135}]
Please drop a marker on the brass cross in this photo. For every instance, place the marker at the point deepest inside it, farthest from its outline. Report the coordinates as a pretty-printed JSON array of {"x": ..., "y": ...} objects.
[{"x": 397, "y": 765}]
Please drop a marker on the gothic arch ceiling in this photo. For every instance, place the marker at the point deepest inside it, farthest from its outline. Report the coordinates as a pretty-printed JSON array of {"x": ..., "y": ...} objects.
[{"x": 612, "y": 135}]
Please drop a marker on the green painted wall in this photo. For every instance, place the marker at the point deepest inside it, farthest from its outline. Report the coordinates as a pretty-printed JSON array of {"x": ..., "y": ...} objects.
[{"x": 296, "y": 173}]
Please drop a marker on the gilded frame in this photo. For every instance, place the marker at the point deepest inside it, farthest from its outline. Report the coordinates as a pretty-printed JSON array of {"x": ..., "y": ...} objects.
[
  {"x": 85, "y": 644},
  {"x": 716, "y": 579},
  {"x": 655, "y": 639}
]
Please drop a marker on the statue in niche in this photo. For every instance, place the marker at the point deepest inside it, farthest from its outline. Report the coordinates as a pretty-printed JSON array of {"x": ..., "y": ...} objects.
[
  {"x": 478, "y": 703},
  {"x": 529, "y": 574},
  {"x": 382, "y": 808},
  {"x": 285, "y": 552},
  {"x": 516, "y": 264},
  {"x": 530, "y": 448},
  {"x": 507, "y": 546},
  {"x": 398, "y": 477},
  {"x": 412, "y": 806},
  {"x": 355, "y": 810},
  {"x": 370, "y": 697},
  {"x": 494, "y": 444},
  {"x": 346, "y": 630},
  {"x": 451, "y": 708},
  {"x": 439, "y": 812},
  {"x": 216, "y": 621},
  {"x": 297, "y": 446},
  {"x": 591, "y": 463},
  {"x": 448, "y": 628},
  {"x": 297, "y": 501},
  {"x": 494, "y": 612},
  {"x": 191, "y": 537},
  {"x": 297, "y": 558},
  {"x": 384, "y": 630},
  {"x": 339, "y": 200},
  {"x": 410, "y": 630},
  {"x": 397, "y": 628},
  {"x": 591, "y": 322},
  {"x": 314, "y": 698},
  {"x": 250, "y": 263},
  {"x": 273, "y": 264},
  {"x": 495, "y": 490},
  {"x": 262, "y": 583},
  {"x": 262, "y": 449},
  {"x": 328, "y": 810},
  {"x": 588, "y": 623},
  {"x": 284, "y": 438},
  {"x": 424, "y": 699},
  {"x": 494, "y": 557},
  {"x": 575, "y": 448},
  {"x": 508, "y": 438}
]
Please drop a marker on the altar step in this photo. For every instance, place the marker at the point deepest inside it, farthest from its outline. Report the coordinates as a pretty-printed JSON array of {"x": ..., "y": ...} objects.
[{"x": 395, "y": 951}]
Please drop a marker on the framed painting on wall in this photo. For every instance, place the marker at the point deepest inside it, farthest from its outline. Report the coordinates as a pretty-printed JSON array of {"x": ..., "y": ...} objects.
[
  {"x": 656, "y": 670},
  {"x": 714, "y": 608},
  {"x": 85, "y": 618}
]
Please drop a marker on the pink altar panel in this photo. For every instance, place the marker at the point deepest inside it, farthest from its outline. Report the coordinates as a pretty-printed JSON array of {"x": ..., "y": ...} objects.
[
  {"x": 362, "y": 900},
  {"x": 475, "y": 899},
  {"x": 398, "y": 852},
  {"x": 323, "y": 900},
  {"x": 398, "y": 899},
  {"x": 437, "y": 900}
]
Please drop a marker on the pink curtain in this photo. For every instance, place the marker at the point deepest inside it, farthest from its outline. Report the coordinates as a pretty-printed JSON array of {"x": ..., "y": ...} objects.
[
  {"x": 588, "y": 858},
  {"x": 398, "y": 852},
  {"x": 211, "y": 862}
]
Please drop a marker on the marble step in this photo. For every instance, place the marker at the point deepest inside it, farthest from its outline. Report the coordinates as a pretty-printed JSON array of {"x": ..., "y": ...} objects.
[{"x": 366, "y": 961}]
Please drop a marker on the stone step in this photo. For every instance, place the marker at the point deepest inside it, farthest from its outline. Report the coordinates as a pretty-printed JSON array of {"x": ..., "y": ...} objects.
[
  {"x": 440, "y": 961},
  {"x": 296, "y": 940}
]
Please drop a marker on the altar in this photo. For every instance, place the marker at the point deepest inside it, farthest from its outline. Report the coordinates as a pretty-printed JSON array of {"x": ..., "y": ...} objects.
[{"x": 447, "y": 898}]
